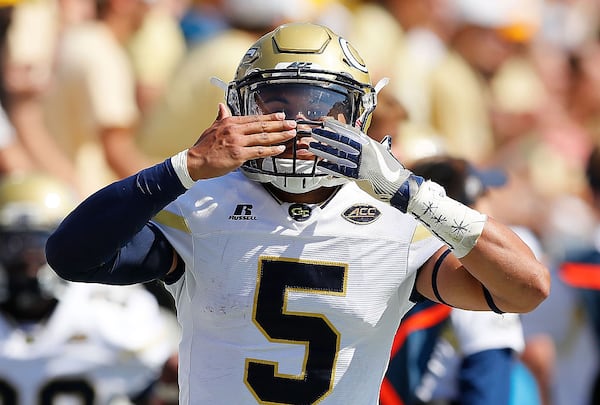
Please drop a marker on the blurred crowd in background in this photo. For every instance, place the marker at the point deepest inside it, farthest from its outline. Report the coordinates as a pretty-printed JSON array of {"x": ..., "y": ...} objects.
[{"x": 95, "y": 90}]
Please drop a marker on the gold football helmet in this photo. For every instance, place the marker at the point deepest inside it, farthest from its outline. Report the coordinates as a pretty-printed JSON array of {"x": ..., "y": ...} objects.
[
  {"x": 308, "y": 72},
  {"x": 33, "y": 201},
  {"x": 31, "y": 207}
]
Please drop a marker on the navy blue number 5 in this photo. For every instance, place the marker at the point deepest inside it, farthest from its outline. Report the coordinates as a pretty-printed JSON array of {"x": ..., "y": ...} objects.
[{"x": 277, "y": 277}]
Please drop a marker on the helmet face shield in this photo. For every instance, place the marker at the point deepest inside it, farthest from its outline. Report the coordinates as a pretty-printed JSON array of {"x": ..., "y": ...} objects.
[
  {"x": 301, "y": 101},
  {"x": 23, "y": 293},
  {"x": 22, "y": 251},
  {"x": 310, "y": 94}
]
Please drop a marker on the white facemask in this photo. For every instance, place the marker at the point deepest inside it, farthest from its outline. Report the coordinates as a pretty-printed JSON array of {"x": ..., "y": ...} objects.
[{"x": 294, "y": 185}]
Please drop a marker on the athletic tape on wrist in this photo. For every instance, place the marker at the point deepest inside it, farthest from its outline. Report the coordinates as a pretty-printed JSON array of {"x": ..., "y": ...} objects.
[
  {"x": 407, "y": 190},
  {"x": 454, "y": 223},
  {"x": 179, "y": 162}
]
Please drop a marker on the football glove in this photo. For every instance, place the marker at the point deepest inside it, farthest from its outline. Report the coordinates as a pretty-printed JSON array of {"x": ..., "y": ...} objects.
[{"x": 347, "y": 152}]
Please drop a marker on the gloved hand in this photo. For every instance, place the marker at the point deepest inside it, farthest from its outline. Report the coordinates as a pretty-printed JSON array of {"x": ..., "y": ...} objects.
[{"x": 352, "y": 154}]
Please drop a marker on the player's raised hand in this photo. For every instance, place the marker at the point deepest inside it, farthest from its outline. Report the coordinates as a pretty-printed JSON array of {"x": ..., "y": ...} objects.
[
  {"x": 348, "y": 152},
  {"x": 232, "y": 140}
]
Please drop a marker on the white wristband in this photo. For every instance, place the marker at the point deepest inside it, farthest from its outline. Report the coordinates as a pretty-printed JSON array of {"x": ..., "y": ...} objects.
[
  {"x": 179, "y": 162},
  {"x": 454, "y": 223}
]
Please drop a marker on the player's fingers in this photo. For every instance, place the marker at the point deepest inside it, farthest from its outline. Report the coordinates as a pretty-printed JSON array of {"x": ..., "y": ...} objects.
[
  {"x": 269, "y": 138},
  {"x": 256, "y": 152},
  {"x": 254, "y": 119},
  {"x": 345, "y": 131},
  {"x": 223, "y": 112},
  {"x": 264, "y": 126},
  {"x": 333, "y": 155},
  {"x": 336, "y": 140}
]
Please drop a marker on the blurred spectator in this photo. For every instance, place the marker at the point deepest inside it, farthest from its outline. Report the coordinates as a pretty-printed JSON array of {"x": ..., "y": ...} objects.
[
  {"x": 560, "y": 343},
  {"x": 417, "y": 31},
  {"x": 156, "y": 49},
  {"x": 377, "y": 35},
  {"x": 569, "y": 24},
  {"x": 559, "y": 349},
  {"x": 91, "y": 107},
  {"x": 441, "y": 57},
  {"x": 426, "y": 26},
  {"x": 201, "y": 20},
  {"x": 485, "y": 37},
  {"x": 13, "y": 157},
  {"x": 189, "y": 104},
  {"x": 489, "y": 101},
  {"x": 166, "y": 390},
  {"x": 388, "y": 116},
  {"x": 552, "y": 154},
  {"x": 30, "y": 49},
  {"x": 584, "y": 98},
  {"x": 581, "y": 270},
  {"x": 63, "y": 342}
]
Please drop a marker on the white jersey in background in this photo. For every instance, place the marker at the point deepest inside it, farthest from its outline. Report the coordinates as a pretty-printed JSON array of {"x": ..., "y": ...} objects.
[
  {"x": 469, "y": 332},
  {"x": 262, "y": 293},
  {"x": 7, "y": 131},
  {"x": 101, "y": 345}
]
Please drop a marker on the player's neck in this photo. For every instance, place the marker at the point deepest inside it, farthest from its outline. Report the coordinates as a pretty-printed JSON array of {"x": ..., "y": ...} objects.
[{"x": 311, "y": 197}]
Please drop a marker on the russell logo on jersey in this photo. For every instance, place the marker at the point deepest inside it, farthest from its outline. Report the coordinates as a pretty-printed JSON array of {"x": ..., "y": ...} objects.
[{"x": 243, "y": 212}]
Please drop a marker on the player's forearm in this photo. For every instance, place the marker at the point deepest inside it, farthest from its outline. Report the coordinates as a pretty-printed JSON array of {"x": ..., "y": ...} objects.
[
  {"x": 105, "y": 224},
  {"x": 490, "y": 251},
  {"x": 493, "y": 255},
  {"x": 501, "y": 258}
]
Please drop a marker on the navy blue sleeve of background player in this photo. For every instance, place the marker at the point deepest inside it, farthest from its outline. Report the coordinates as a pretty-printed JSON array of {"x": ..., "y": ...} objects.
[
  {"x": 485, "y": 377},
  {"x": 108, "y": 239}
]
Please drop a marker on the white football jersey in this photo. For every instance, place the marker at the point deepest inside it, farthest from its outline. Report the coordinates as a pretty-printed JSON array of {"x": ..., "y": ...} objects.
[
  {"x": 277, "y": 310},
  {"x": 101, "y": 344}
]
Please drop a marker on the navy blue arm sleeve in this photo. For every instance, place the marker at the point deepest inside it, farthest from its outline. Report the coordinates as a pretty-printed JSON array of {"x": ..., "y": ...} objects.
[{"x": 108, "y": 239}]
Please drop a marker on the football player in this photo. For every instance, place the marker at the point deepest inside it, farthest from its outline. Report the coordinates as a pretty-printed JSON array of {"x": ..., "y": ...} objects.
[
  {"x": 59, "y": 341},
  {"x": 291, "y": 274}
]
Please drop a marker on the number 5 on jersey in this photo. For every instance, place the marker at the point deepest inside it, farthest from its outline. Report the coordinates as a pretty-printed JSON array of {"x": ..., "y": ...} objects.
[{"x": 277, "y": 277}]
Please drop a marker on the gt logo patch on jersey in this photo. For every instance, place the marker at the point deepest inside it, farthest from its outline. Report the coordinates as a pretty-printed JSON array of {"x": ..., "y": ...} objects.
[
  {"x": 299, "y": 212},
  {"x": 243, "y": 212},
  {"x": 361, "y": 214}
]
